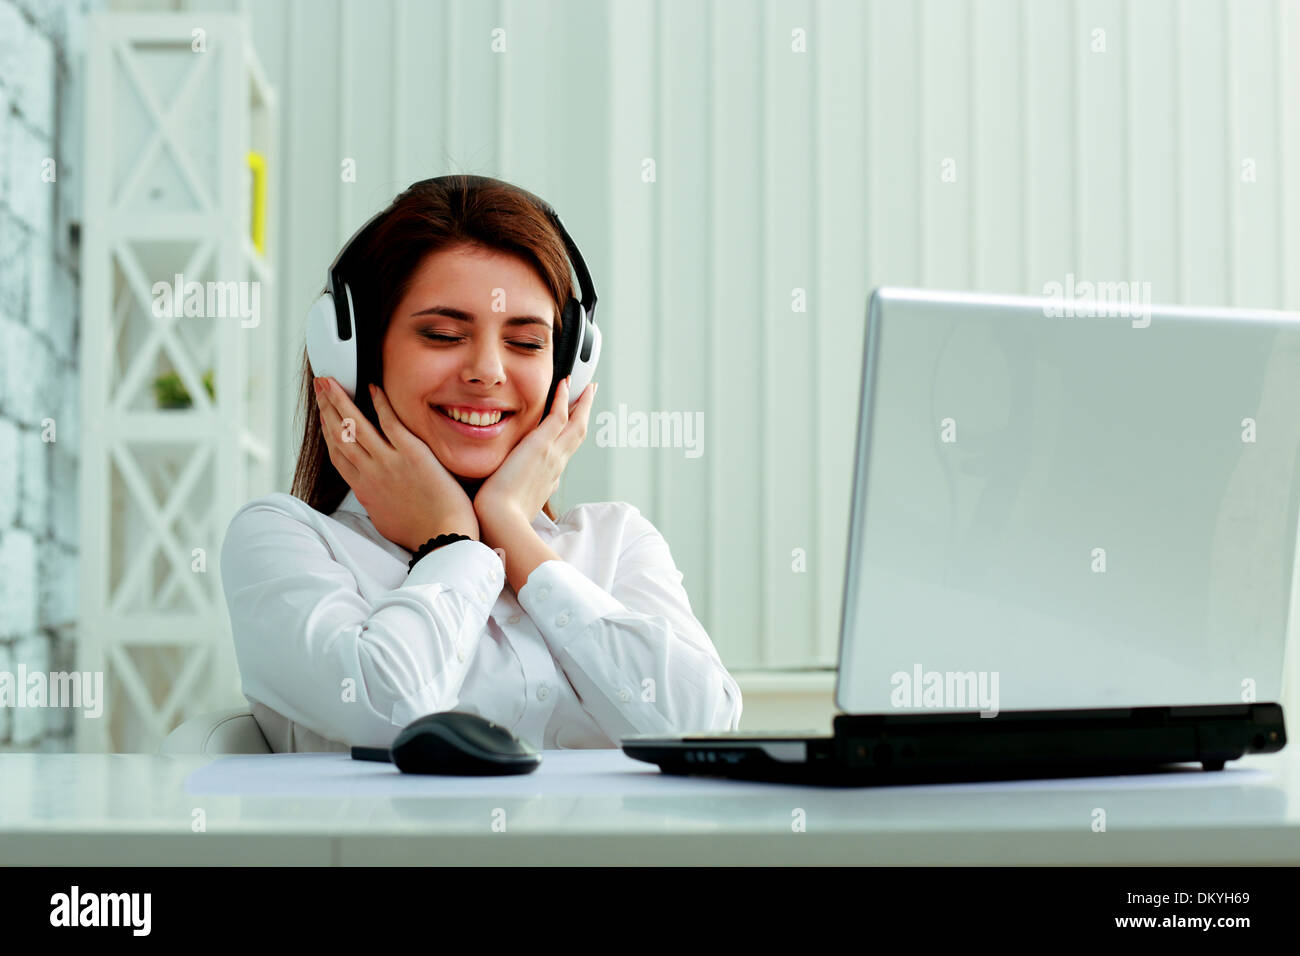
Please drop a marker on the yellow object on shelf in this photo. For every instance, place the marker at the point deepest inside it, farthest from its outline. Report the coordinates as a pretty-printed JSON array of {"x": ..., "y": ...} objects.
[{"x": 257, "y": 164}]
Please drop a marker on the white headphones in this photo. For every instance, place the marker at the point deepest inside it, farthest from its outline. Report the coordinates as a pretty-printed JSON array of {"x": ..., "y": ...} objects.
[{"x": 332, "y": 327}]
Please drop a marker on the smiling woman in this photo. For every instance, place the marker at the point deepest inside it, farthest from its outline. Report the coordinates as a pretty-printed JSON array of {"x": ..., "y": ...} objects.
[
  {"x": 461, "y": 268},
  {"x": 417, "y": 567}
]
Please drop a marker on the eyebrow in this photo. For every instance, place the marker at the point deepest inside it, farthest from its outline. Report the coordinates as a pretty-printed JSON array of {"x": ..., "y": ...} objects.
[{"x": 462, "y": 316}]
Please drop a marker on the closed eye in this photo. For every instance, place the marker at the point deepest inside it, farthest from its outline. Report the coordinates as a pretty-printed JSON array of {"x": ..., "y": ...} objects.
[{"x": 532, "y": 346}]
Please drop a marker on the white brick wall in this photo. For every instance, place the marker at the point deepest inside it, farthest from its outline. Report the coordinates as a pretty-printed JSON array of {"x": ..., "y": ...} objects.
[
  {"x": 63, "y": 488},
  {"x": 53, "y": 304},
  {"x": 56, "y": 584},
  {"x": 20, "y": 391},
  {"x": 42, "y": 44},
  {"x": 7, "y": 664},
  {"x": 6, "y": 109},
  {"x": 29, "y": 723},
  {"x": 47, "y": 375},
  {"x": 27, "y": 65},
  {"x": 18, "y": 587},
  {"x": 34, "y": 484},
  {"x": 8, "y": 473},
  {"x": 30, "y": 197},
  {"x": 13, "y": 261}
]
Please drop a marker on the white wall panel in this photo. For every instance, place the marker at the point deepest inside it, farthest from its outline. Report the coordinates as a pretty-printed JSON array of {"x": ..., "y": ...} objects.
[
  {"x": 837, "y": 319},
  {"x": 679, "y": 325},
  {"x": 786, "y": 465},
  {"x": 1152, "y": 151},
  {"x": 734, "y": 321}
]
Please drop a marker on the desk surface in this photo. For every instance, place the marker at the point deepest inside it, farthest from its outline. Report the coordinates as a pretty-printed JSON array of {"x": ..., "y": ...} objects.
[{"x": 601, "y": 807}]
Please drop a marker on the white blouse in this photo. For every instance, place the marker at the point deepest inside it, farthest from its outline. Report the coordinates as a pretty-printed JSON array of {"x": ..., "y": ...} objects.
[{"x": 338, "y": 645}]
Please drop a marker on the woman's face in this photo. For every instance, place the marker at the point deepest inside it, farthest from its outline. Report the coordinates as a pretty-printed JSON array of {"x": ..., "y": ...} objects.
[{"x": 473, "y": 334}]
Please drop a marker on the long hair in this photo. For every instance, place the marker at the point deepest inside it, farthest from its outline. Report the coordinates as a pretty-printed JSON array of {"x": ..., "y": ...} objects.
[{"x": 425, "y": 218}]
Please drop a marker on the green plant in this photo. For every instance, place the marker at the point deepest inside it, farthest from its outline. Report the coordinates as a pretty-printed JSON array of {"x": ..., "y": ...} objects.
[{"x": 170, "y": 391}]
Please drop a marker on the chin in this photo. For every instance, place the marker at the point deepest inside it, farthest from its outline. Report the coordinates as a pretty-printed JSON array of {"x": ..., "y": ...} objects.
[
  {"x": 473, "y": 474},
  {"x": 472, "y": 467}
]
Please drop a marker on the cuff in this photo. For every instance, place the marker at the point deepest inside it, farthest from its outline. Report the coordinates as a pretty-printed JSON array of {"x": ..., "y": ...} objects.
[
  {"x": 470, "y": 568},
  {"x": 562, "y": 601}
]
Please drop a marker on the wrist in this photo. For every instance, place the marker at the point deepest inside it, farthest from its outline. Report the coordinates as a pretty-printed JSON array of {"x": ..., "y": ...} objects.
[
  {"x": 496, "y": 521},
  {"x": 433, "y": 544},
  {"x": 488, "y": 505},
  {"x": 446, "y": 528}
]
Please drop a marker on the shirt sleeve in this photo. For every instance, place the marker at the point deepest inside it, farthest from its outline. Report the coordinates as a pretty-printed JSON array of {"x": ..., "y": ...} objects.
[
  {"x": 310, "y": 647},
  {"x": 639, "y": 660}
]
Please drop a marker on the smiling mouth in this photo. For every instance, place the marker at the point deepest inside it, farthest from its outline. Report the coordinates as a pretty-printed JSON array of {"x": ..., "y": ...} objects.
[{"x": 467, "y": 424}]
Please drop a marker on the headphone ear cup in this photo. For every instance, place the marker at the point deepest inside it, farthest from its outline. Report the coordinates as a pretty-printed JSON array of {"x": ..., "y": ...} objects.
[
  {"x": 565, "y": 348},
  {"x": 585, "y": 370},
  {"x": 328, "y": 353}
]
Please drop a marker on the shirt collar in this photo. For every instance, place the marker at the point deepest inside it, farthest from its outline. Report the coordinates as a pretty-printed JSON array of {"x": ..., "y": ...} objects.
[{"x": 350, "y": 502}]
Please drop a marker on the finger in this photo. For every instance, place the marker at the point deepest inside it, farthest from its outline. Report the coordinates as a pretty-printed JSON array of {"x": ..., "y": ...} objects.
[
  {"x": 394, "y": 430},
  {"x": 337, "y": 456},
  {"x": 560, "y": 407},
  {"x": 346, "y": 469},
  {"x": 577, "y": 426},
  {"x": 332, "y": 423},
  {"x": 341, "y": 407}
]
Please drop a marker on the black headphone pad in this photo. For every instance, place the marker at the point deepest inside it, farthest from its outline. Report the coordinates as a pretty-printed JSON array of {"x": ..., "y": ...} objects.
[{"x": 565, "y": 351}]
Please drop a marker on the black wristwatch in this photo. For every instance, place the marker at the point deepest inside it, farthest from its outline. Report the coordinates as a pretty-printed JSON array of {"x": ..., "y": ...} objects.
[{"x": 433, "y": 543}]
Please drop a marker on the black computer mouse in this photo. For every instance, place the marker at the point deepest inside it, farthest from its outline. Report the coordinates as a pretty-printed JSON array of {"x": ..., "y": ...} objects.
[{"x": 454, "y": 742}]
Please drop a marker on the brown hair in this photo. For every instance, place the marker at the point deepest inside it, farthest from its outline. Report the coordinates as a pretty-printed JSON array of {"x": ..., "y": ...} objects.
[{"x": 427, "y": 217}]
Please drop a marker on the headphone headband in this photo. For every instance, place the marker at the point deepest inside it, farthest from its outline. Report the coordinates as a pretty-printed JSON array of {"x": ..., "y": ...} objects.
[{"x": 587, "y": 289}]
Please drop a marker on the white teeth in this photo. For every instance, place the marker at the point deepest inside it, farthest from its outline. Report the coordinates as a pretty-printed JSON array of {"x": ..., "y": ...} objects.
[{"x": 475, "y": 418}]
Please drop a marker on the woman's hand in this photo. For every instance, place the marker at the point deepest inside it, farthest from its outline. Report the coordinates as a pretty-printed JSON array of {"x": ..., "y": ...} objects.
[
  {"x": 408, "y": 493},
  {"x": 531, "y": 472}
]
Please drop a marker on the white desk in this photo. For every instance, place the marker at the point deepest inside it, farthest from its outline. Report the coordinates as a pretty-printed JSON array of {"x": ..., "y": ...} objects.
[{"x": 600, "y": 807}]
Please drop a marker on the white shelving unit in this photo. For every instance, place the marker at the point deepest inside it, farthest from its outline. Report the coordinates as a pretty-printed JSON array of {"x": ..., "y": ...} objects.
[{"x": 175, "y": 103}]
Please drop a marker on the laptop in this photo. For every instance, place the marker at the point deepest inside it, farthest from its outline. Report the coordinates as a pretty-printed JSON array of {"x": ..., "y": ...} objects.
[{"x": 1070, "y": 550}]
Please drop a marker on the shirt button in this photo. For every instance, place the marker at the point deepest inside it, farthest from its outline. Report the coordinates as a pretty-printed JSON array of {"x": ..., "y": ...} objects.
[
  {"x": 481, "y": 595},
  {"x": 624, "y": 695},
  {"x": 513, "y": 619},
  {"x": 542, "y": 692},
  {"x": 460, "y": 655},
  {"x": 543, "y": 593},
  {"x": 562, "y": 620}
]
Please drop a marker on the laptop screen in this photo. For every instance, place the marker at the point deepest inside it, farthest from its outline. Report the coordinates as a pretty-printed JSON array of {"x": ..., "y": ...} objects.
[{"x": 1062, "y": 511}]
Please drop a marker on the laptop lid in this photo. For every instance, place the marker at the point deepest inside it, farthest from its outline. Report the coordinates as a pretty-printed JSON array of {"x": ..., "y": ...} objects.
[{"x": 1069, "y": 510}]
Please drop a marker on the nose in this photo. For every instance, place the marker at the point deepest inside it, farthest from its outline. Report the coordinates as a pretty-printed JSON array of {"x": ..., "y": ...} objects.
[{"x": 484, "y": 366}]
